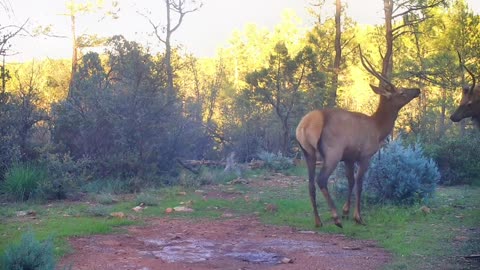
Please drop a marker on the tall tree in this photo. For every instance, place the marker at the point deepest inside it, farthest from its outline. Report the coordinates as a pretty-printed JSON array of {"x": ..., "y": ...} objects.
[
  {"x": 399, "y": 16},
  {"x": 338, "y": 53},
  {"x": 175, "y": 13},
  {"x": 74, "y": 9},
  {"x": 279, "y": 85}
]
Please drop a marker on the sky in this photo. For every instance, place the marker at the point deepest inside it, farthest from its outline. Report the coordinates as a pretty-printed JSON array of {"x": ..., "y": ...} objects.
[{"x": 201, "y": 32}]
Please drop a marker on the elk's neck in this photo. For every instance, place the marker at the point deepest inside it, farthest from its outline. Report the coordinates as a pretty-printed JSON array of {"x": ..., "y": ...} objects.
[{"x": 385, "y": 117}]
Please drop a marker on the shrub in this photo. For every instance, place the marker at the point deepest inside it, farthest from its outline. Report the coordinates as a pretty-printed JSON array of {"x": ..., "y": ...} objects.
[
  {"x": 147, "y": 199},
  {"x": 65, "y": 173},
  {"x": 98, "y": 211},
  {"x": 401, "y": 175},
  {"x": 29, "y": 254},
  {"x": 105, "y": 198},
  {"x": 275, "y": 162},
  {"x": 111, "y": 186},
  {"x": 22, "y": 181},
  {"x": 458, "y": 159}
]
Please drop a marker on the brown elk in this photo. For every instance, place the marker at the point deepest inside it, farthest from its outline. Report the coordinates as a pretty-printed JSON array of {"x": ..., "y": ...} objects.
[
  {"x": 352, "y": 137},
  {"x": 470, "y": 103}
]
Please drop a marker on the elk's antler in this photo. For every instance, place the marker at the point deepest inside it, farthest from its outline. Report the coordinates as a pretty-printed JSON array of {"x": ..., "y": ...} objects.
[
  {"x": 462, "y": 65},
  {"x": 369, "y": 67}
]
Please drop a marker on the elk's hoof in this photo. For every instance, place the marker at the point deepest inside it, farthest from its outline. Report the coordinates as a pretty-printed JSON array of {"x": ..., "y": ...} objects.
[
  {"x": 360, "y": 221},
  {"x": 338, "y": 222},
  {"x": 318, "y": 225}
]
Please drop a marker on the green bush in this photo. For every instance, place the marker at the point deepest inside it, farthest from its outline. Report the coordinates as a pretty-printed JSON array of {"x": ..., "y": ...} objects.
[
  {"x": 22, "y": 181},
  {"x": 98, "y": 211},
  {"x": 401, "y": 175},
  {"x": 458, "y": 159},
  {"x": 275, "y": 162},
  {"x": 147, "y": 199},
  {"x": 111, "y": 186},
  {"x": 29, "y": 254}
]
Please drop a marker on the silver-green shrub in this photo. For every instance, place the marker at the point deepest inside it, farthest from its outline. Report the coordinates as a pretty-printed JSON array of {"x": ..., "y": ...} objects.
[{"x": 401, "y": 174}]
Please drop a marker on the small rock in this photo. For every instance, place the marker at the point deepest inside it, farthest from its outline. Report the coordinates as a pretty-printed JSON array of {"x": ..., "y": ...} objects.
[
  {"x": 187, "y": 204},
  {"x": 26, "y": 213},
  {"x": 287, "y": 260},
  {"x": 271, "y": 208},
  {"x": 182, "y": 209},
  {"x": 246, "y": 198},
  {"x": 182, "y": 193},
  {"x": 461, "y": 238},
  {"x": 425, "y": 210},
  {"x": 351, "y": 248},
  {"x": 137, "y": 209},
  {"x": 199, "y": 191},
  {"x": 307, "y": 232},
  {"x": 227, "y": 215},
  {"x": 117, "y": 214},
  {"x": 238, "y": 181},
  {"x": 168, "y": 210}
]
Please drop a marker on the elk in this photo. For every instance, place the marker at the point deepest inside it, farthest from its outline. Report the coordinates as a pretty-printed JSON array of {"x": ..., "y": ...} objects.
[
  {"x": 470, "y": 102},
  {"x": 352, "y": 137}
]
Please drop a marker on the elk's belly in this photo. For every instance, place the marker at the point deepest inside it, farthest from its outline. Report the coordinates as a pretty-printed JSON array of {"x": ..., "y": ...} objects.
[{"x": 359, "y": 152}]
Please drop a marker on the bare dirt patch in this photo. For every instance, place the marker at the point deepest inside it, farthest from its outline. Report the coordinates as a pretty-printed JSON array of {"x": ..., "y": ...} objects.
[{"x": 238, "y": 243}]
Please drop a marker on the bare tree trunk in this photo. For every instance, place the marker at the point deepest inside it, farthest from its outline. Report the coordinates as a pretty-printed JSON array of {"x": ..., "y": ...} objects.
[
  {"x": 443, "y": 111},
  {"x": 387, "y": 64},
  {"x": 168, "y": 50},
  {"x": 286, "y": 136},
  {"x": 338, "y": 53},
  {"x": 74, "y": 53}
]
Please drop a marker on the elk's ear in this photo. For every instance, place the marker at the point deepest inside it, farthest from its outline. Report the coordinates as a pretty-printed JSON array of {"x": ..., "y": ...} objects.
[{"x": 380, "y": 91}]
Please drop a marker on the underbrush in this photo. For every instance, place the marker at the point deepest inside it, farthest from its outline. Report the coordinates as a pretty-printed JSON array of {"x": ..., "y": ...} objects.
[
  {"x": 30, "y": 253},
  {"x": 23, "y": 182}
]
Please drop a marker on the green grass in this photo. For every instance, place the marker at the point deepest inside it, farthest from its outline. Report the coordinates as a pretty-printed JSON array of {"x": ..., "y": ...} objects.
[{"x": 417, "y": 241}]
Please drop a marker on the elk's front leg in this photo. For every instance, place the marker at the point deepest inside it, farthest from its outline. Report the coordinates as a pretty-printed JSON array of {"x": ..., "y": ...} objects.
[{"x": 362, "y": 168}]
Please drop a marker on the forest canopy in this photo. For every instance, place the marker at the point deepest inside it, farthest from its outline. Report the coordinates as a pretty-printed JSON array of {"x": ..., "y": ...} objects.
[{"x": 119, "y": 108}]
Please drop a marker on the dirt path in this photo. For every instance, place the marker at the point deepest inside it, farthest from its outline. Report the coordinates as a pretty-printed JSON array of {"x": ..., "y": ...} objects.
[{"x": 237, "y": 243}]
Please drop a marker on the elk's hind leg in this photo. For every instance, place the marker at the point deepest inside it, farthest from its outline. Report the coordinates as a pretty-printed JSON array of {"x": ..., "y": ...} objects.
[
  {"x": 311, "y": 159},
  {"x": 350, "y": 173},
  {"x": 322, "y": 181}
]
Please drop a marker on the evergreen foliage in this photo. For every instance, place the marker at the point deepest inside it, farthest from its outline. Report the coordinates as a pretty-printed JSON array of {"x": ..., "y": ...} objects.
[
  {"x": 458, "y": 159},
  {"x": 401, "y": 175},
  {"x": 30, "y": 254},
  {"x": 22, "y": 181},
  {"x": 275, "y": 162}
]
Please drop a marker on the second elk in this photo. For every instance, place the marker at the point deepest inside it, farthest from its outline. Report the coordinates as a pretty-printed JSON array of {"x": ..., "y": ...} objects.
[{"x": 470, "y": 102}]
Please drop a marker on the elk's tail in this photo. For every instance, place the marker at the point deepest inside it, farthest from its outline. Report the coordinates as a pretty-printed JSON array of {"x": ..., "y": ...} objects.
[{"x": 309, "y": 131}]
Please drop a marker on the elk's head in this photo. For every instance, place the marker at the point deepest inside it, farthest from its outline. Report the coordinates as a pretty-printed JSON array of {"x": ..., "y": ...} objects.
[
  {"x": 470, "y": 102},
  {"x": 395, "y": 97},
  {"x": 469, "y": 105}
]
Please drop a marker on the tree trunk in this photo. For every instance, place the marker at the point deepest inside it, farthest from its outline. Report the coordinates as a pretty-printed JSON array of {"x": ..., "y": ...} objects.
[
  {"x": 443, "y": 109},
  {"x": 74, "y": 54},
  {"x": 168, "y": 51},
  {"x": 286, "y": 136},
  {"x": 387, "y": 65},
  {"x": 338, "y": 54}
]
